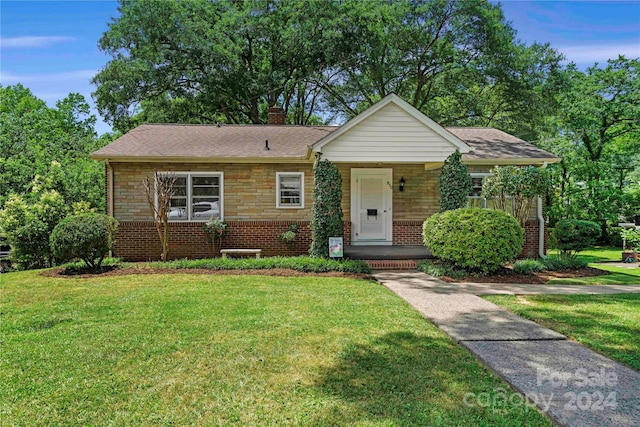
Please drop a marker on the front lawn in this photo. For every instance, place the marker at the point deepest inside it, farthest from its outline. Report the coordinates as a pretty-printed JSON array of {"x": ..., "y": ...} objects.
[
  {"x": 597, "y": 254},
  {"x": 618, "y": 276},
  {"x": 188, "y": 349},
  {"x": 609, "y": 324}
]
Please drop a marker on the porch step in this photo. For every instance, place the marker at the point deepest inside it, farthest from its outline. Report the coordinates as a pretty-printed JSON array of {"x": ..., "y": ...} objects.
[{"x": 391, "y": 264}]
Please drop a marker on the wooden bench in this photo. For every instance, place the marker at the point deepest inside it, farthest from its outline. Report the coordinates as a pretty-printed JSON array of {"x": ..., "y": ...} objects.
[{"x": 224, "y": 252}]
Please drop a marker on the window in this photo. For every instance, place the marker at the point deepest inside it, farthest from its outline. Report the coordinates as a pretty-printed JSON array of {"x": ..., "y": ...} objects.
[
  {"x": 475, "y": 196},
  {"x": 290, "y": 190},
  {"x": 197, "y": 196}
]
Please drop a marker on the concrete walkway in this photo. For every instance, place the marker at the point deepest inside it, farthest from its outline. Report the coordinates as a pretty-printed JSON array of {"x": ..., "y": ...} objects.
[{"x": 573, "y": 385}]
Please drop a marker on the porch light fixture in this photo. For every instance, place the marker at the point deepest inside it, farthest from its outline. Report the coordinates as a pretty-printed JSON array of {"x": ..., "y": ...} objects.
[{"x": 402, "y": 184}]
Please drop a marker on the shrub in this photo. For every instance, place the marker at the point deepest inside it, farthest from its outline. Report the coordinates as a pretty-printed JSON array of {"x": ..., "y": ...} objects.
[
  {"x": 573, "y": 236},
  {"x": 557, "y": 263},
  {"x": 473, "y": 238},
  {"x": 290, "y": 235},
  {"x": 631, "y": 237},
  {"x": 303, "y": 263},
  {"x": 528, "y": 266},
  {"x": 28, "y": 227},
  {"x": 454, "y": 183},
  {"x": 326, "y": 220},
  {"x": 216, "y": 229},
  {"x": 88, "y": 237},
  {"x": 614, "y": 238},
  {"x": 441, "y": 269}
]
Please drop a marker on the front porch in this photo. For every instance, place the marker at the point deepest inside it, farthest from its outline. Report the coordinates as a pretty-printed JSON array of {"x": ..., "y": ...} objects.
[
  {"x": 398, "y": 252},
  {"x": 398, "y": 257}
]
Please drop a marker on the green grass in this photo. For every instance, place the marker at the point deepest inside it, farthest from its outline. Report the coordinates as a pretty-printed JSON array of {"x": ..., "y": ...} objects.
[
  {"x": 597, "y": 257},
  {"x": 186, "y": 349},
  {"x": 609, "y": 324},
  {"x": 597, "y": 254},
  {"x": 618, "y": 276}
]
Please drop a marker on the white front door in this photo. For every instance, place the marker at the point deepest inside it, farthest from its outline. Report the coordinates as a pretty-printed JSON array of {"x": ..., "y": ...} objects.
[{"x": 371, "y": 201}]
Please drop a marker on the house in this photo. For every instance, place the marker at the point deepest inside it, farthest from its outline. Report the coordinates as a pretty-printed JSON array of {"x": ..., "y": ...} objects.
[{"x": 259, "y": 179}]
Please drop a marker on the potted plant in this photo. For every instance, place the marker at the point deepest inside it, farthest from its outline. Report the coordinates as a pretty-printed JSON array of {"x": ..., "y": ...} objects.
[
  {"x": 216, "y": 230},
  {"x": 631, "y": 244}
]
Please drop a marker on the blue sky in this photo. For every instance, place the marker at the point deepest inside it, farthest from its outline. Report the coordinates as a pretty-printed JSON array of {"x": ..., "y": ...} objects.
[{"x": 51, "y": 46}]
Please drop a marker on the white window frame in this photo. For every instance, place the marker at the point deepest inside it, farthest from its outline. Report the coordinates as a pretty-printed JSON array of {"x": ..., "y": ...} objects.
[
  {"x": 483, "y": 175},
  {"x": 189, "y": 175},
  {"x": 279, "y": 205}
]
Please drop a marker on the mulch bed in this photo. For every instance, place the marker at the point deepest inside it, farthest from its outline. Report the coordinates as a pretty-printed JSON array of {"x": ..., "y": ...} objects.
[
  {"x": 506, "y": 275},
  {"x": 84, "y": 273}
]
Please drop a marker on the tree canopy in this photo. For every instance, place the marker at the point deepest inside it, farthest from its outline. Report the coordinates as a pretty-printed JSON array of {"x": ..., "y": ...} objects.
[
  {"x": 201, "y": 61},
  {"x": 597, "y": 134},
  {"x": 49, "y": 147}
]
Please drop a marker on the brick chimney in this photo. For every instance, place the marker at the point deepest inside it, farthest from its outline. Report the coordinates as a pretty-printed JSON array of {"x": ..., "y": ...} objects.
[{"x": 276, "y": 115}]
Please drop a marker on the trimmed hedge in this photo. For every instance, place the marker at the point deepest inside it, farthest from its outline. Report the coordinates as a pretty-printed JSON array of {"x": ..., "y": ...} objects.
[
  {"x": 473, "y": 238},
  {"x": 88, "y": 237}
]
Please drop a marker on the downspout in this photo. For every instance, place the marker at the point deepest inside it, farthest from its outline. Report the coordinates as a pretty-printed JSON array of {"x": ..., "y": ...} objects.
[
  {"x": 109, "y": 188},
  {"x": 109, "y": 193},
  {"x": 541, "y": 224},
  {"x": 540, "y": 229}
]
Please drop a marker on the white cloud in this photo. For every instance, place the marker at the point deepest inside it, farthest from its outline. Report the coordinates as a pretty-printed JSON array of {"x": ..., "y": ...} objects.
[
  {"x": 33, "y": 41},
  {"x": 26, "y": 79},
  {"x": 600, "y": 52},
  {"x": 52, "y": 87}
]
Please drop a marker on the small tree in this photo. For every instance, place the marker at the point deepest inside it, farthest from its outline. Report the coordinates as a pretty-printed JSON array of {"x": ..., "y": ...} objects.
[
  {"x": 454, "y": 183},
  {"x": 512, "y": 189},
  {"x": 573, "y": 236},
  {"x": 159, "y": 190},
  {"x": 326, "y": 220},
  {"x": 88, "y": 236}
]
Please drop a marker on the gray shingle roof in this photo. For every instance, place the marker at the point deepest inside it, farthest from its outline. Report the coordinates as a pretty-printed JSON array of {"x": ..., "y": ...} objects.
[
  {"x": 157, "y": 141},
  {"x": 490, "y": 143},
  {"x": 211, "y": 141}
]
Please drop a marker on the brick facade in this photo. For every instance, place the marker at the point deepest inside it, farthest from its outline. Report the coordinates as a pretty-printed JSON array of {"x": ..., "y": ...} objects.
[
  {"x": 407, "y": 232},
  {"x": 251, "y": 212}
]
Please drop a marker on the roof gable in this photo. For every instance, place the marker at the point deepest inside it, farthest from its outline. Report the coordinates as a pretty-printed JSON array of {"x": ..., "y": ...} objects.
[{"x": 390, "y": 130}]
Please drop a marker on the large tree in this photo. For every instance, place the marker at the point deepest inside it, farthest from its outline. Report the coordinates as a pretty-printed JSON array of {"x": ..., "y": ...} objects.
[
  {"x": 214, "y": 61},
  {"x": 456, "y": 61},
  {"x": 208, "y": 61},
  {"x": 49, "y": 147},
  {"x": 598, "y": 137}
]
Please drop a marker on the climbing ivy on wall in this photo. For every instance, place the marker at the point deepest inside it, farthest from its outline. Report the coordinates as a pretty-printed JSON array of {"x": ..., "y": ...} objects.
[
  {"x": 454, "y": 183},
  {"x": 327, "y": 220}
]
